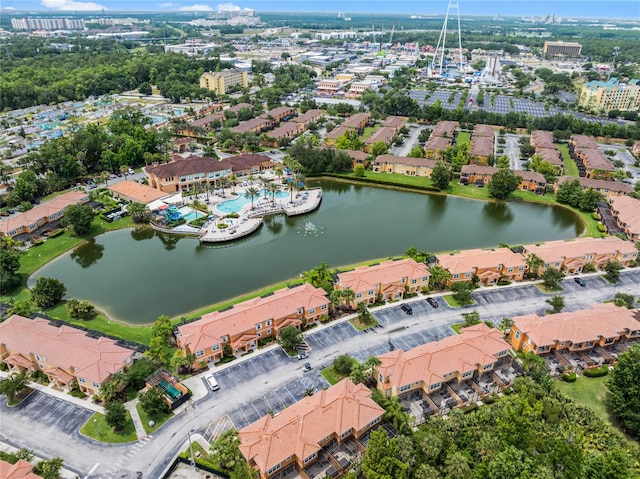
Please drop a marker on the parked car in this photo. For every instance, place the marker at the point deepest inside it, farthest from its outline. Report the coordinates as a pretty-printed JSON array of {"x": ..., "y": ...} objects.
[
  {"x": 580, "y": 281},
  {"x": 432, "y": 302},
  {"x": 211, "y": 382},
  {"x": 130, "y": 172},
  {"x": 306, "y": 368},
  {"x": 303, "y": 355},
  {"x": 406, "y": 308}
]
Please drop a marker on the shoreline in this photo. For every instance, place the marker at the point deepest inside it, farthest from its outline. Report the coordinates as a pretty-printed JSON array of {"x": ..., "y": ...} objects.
[{"x": 193, "y": 314}]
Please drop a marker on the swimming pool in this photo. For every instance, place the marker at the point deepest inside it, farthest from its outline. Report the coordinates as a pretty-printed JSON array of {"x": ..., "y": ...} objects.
[
  {"x": 194, "y": 215},
  {"x": 235, "y": 205}
]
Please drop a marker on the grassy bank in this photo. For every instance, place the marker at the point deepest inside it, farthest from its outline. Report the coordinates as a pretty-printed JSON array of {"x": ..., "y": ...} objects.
[
  {"x": 97, "y": 428},
  {"x": 570, "y": 167}
]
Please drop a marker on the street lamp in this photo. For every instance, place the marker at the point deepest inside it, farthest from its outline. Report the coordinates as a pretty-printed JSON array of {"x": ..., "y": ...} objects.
[{"x": 193, "y": 461}]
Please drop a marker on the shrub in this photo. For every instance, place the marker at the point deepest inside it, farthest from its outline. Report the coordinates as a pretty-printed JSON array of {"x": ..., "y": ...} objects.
[
  {"x": 600, "y": 227},
  {"x": 222, "y": 226},
  {"x": 232, "y": 215},
  {"x": 569, "y": 377},
  {"x": 3, "y": 366},
  {"x": 596, "y": 372},
  {"x": 37, "y": 242},
  {"x": 56, "y": 233},
  {"x": 489, "y": 399}
]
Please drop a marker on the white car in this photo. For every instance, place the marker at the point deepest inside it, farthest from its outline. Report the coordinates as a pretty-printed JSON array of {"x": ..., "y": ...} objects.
[
  {"x": 211, "y": 382},
  {"x": 303, "y": 355}
]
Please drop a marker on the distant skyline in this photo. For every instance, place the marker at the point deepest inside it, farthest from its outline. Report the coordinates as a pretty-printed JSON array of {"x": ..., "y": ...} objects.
[{"x": 629, "y": 9}]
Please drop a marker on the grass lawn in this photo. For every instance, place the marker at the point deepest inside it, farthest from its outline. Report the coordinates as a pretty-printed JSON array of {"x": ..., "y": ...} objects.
[
  {"x": 463, "y": 137},
  {"x": 331, "y": 376},
  {"x": 102, "y": 432},
  {"x": 159, "y": 420},
  {"x": 451, "y": 301},
  {"x": 457, "y": 326},
  {"x": 359, "y": 325},
  {"x": 368, "y": 131},
  {"x": 546, "y": 290},
  {"x": 570, "y": 167}
]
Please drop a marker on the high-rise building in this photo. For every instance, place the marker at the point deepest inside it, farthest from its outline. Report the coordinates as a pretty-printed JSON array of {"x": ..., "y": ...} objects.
[
  {"x": 566, "y": 49},
  {"x": 220, "y": 81},
  {"x": 47, "y": 24},
  {"x": 601, "y": 96}
]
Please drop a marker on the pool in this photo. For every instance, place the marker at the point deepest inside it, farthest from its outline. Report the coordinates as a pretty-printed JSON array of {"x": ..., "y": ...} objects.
[
  {"x": 194, "y": 215},
  {"x": 235, "y": 205}
]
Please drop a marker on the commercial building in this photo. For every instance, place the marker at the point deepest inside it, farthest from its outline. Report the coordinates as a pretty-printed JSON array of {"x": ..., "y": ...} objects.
[
  {"x": 245, "y": 324},
  {"x": 387, "y": 281},
  {"x": 220, "y": 82},
  {"x": 66, "y": 355},
  {"x": 571, "y": 256},
  {"x": 489, "y": 266},
  {"x": 311, "y": 437},
  {"x": 28, "y": 23},
  {"x": 601, "y": 97},
  {"x": 565, "y": 49}
]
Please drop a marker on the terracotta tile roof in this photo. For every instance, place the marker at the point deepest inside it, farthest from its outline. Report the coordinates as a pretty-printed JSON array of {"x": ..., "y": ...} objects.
[
  {"x": 542, "y": 139},
  {"x": 247, "y": 161},
  {"x": 309, "y": 115},
  {"x": 337, "y": 132},
  {"x": 598, "y": 185},
  {"x": 595, "y": 159},
  {"x": 206, "y": 120},
  {"x": 259, "y": 123},
  {"x": 297, "y": 430},
  {"x": 476, "y": 346},
  {"x": 280, "y": 111},
  {"x": 478, "y": 170},
  {"x": 472, "y": 259},
  {"x": 483, "y": 130},
  {"x": 20, "y": 470},
  {"x": 438, "y": 143},
  {"x": 188, "y": 166},
  {"x": 43, "y": 211},
  {"x": 602, "y": 320},
  {"x": 240, "y": 106},
  {"x": 445, "y": 129},
  {"x": 581, "y": 141},
  {"x": 134, "y": 191},
  {"x": 367, "y": 277},
  {"x": 284, "y": 130},
  {"x": 481, "y": 146},
  {"x": 66, "y": 347},
  {"x": 354, "y": 121},
  {"x": 353, "y": 154},
  {"x": 552, "y": 155},
  {"x": 405, "y": 160},
  {"x": 394, "y": 122},
  {"x": 531, "y": 176},
  {"x": 552, "y": 251},
  {"x": 627, "y": 211},
  {"x": 243, "y": 317},
  {"x": 385, "y": 134}
]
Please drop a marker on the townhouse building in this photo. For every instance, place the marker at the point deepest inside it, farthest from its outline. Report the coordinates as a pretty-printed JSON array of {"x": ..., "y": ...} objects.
[
  {"x": 547, "y": 149},
  {"x": 264, "y": 122},
  {"x": 403, "y": 165},
  {"x": 332, "y": 137},
  {"x": 600, "y": 326},
  {"x": 387, "y": 281},
  {"x": 20, "y": 470},
  {"x": 309, "y": 437},
  {"x": 312, "y": 115},
  {"x": 489, "y": 266},
  {"x": 289, "y": 129},
  {"x": 384, "y": 134},
  {"x": 479, "y": 175},
  {"x": 591, "y": 162},
  {"x": 482, "y": 144},
  {"x": 441, "y": 138},
  {"x": 358, "y": 121},
  {"x": 41, "y": 217},
  {"x": 358, "y": 157},
  {"x": 571, "y": 256},
  {"x": 608, "y": 188},
  {"x": 626, "y": 211},
  {"x": 244, "y": 325},
  {"x": 457, "y": 368},
  {"x": 395, "y": 122},
  {"x": 66, "y": 355}
]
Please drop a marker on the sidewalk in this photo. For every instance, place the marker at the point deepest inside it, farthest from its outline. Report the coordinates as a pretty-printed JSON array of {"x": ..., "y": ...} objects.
[{"x": 135, "y": 417}]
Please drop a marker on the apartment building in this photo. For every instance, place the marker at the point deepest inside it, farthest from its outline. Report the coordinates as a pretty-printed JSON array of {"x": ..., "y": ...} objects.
[
  {"x": 395, "y": 122},
  {"x": 626, "y": 211},
  {"x": 289, "y": 129},
  {"x": 245, "y": 324},
  {"x": 388, "y": 281},
  {"x": 489, "y": 266},
  {"x": 66, "y": 355},
  {"x": 332, "y": 137},
  {"x": 29, "y": 23},
  {"x": 307, "y": 117},
  {"x": 41, "y": 217},
  {"x": 311, "y": 437},
  {"x": 133, "y": 191},
  {"x": 602, "y": 97},
  {"x": 482, "y": 144},
  {"x": 479, "y": 175},
  {"x": 358, "y": 157},
  {"x": 441, "y": 138},
  {"x": 602, "y": 325},
  {"x": 559, "y": 48},
  {"x": 571, "y": 256},
  {"x": 454, "y": 364},
  {"x": 220, "y": 82},
  {"x": 403, "y": 165},
  {"x": 547, "y": 149},
  {"x": 384, "y": 134},
  {"x": 20, "y": 470},
  {"x": 592, "y": 163},
  {"x": 608, "y": 188},
  {"x": 266, "y": 121}
]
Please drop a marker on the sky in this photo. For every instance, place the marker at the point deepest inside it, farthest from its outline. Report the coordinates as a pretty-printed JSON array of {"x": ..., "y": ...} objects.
[{"x": 566, "y": 8}]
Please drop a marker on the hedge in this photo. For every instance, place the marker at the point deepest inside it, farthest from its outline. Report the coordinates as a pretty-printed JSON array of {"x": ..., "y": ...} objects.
[
  {"x": 378, "y": 182},
  {"x": 569, "y": 377},
  {"x": 596, "y": 372}
]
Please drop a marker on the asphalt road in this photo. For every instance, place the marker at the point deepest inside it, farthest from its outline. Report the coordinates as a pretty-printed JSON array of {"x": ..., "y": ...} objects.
[
  {"x": 271, "y": 381},
  {"x": 409, "y": 142}
]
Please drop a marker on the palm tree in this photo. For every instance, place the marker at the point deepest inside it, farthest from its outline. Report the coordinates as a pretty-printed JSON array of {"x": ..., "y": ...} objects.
[
  {"x": 439, "y": 276},
  {"x": 223, "y": 183},
  {"x": 534, "y": 263},
  {"x": 348, "y": 295},
  {"x": 279, "y": 173},
  {"x": 105, "y": 177},
  {"x": 233, "y": 179},
  {"x": 273, "y": 189},
  {"x": 251, "y": 193},
  {"x": 124, "y": 169},
  {"x": 265, "y": 185},
  {"x": 505, "y": 324},
  {"x": 370, "y": 364},
  {"x": 291, "y": 186}
]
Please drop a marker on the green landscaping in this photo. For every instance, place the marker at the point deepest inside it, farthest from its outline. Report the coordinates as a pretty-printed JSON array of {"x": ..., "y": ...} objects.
[
  {"x": 160, "y": 419},
  {"x": 360, "y": 325},
  {"x": 97, "y": 428},
  {"x": 368, "y": 131},
  {"x": 544, "y": 289},
  {"x": 463, "y": 137},
  {"x": 451, "y": 301},
  {"x": 330, "y": 374},
  {"x": 570, "y": 167}
]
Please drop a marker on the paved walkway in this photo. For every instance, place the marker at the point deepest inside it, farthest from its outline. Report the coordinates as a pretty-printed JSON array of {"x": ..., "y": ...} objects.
[{"x": 135, "y": 417}]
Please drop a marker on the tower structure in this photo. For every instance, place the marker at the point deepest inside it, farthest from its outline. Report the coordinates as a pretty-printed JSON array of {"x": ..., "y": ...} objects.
[{"x": 438, "y": 64}]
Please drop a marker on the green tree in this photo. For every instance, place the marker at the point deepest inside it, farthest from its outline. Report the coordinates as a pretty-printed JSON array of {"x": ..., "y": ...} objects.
[
  {"x": 343, "y": 364},
  {"x": 145, "y": 89},
  {"x": 379, "y": 148},
  {"x": 358, "y": 374},
  {"x": 78, "y": 309},
  {"x": 370, "y": 365},
  {"x": 382, "y": 458},
  {"x": 79, "y": 218},
  {"x": 416, "y": 152},
  {"x": 624, "y": 390},
  {"x": 551, "y": 276},
  {"x": 471, "y": 318},
  {"x": 289, "y": 337},
  {"x": 115, "y": 415},
  {"x": 154, "y": 403},
  {"x": 462, "y": 291},
  {"x": 162, "y": 328},
  {"x": 589, "y": 199},
  {"x": 441, "y": 175},
  {"x": 534, "y": 263},
  {"x": 320, "y": 277},
  {"x": 503, "y": 183},
  {"x": 569, "y": 193},
  {"x": 624, "y": 300},
  {"x": 49, "y": 469},
  {"x": 21, "y": 308},
  {"x": 364, "y": 315},
  {"x": 9, "y": 266},
  {"x": 556, "y": 302},
  {"x": 457, "y": 465},
  {"x": 613, "y": 269},
  {"x": 13, "y": 385},
  {"x": 503, "y": 162},
  {"x": 47, "y": 292},
  {"x": 251, "y": 193},
  {"x": 358, "y": 171},
  {"x": 139, "y": 212},
  {"x": 225, "y": 450},
  {"x": 439, "y": 276}
]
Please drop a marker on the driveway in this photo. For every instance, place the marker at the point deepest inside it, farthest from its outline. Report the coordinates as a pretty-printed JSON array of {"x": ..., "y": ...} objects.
[
  {"x": 512, "y": 150},
  {"x": 409, "y": 142}
]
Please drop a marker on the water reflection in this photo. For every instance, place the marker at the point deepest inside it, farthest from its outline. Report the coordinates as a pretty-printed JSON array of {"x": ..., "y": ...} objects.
[
  {"x": 498, "y": 212},
  {"x": 88, "y": 254},
  {"x": 331, "y": 186},
  {"x": 436, "y": 207},
  {"x": 169, "y": 241},
  {"x": 274, "y": 223},
  {"x": 142, "y": 233}
]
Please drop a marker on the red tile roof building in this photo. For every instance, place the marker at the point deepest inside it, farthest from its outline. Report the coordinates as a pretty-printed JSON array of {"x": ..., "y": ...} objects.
[
  {"x": 65, "y": 354},
  {"x": 403, "y": 165},
  {"x": 298, "y": 433},
  {"x": 20, "y": 470},
  {"x": 626, "y": 211},
  {"x": 490, "y": 266},
  {"x": 608, "y": 188}
]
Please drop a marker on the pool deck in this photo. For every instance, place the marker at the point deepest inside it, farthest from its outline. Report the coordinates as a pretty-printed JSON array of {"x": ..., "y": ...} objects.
[{"x": 250, "y": 220}]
